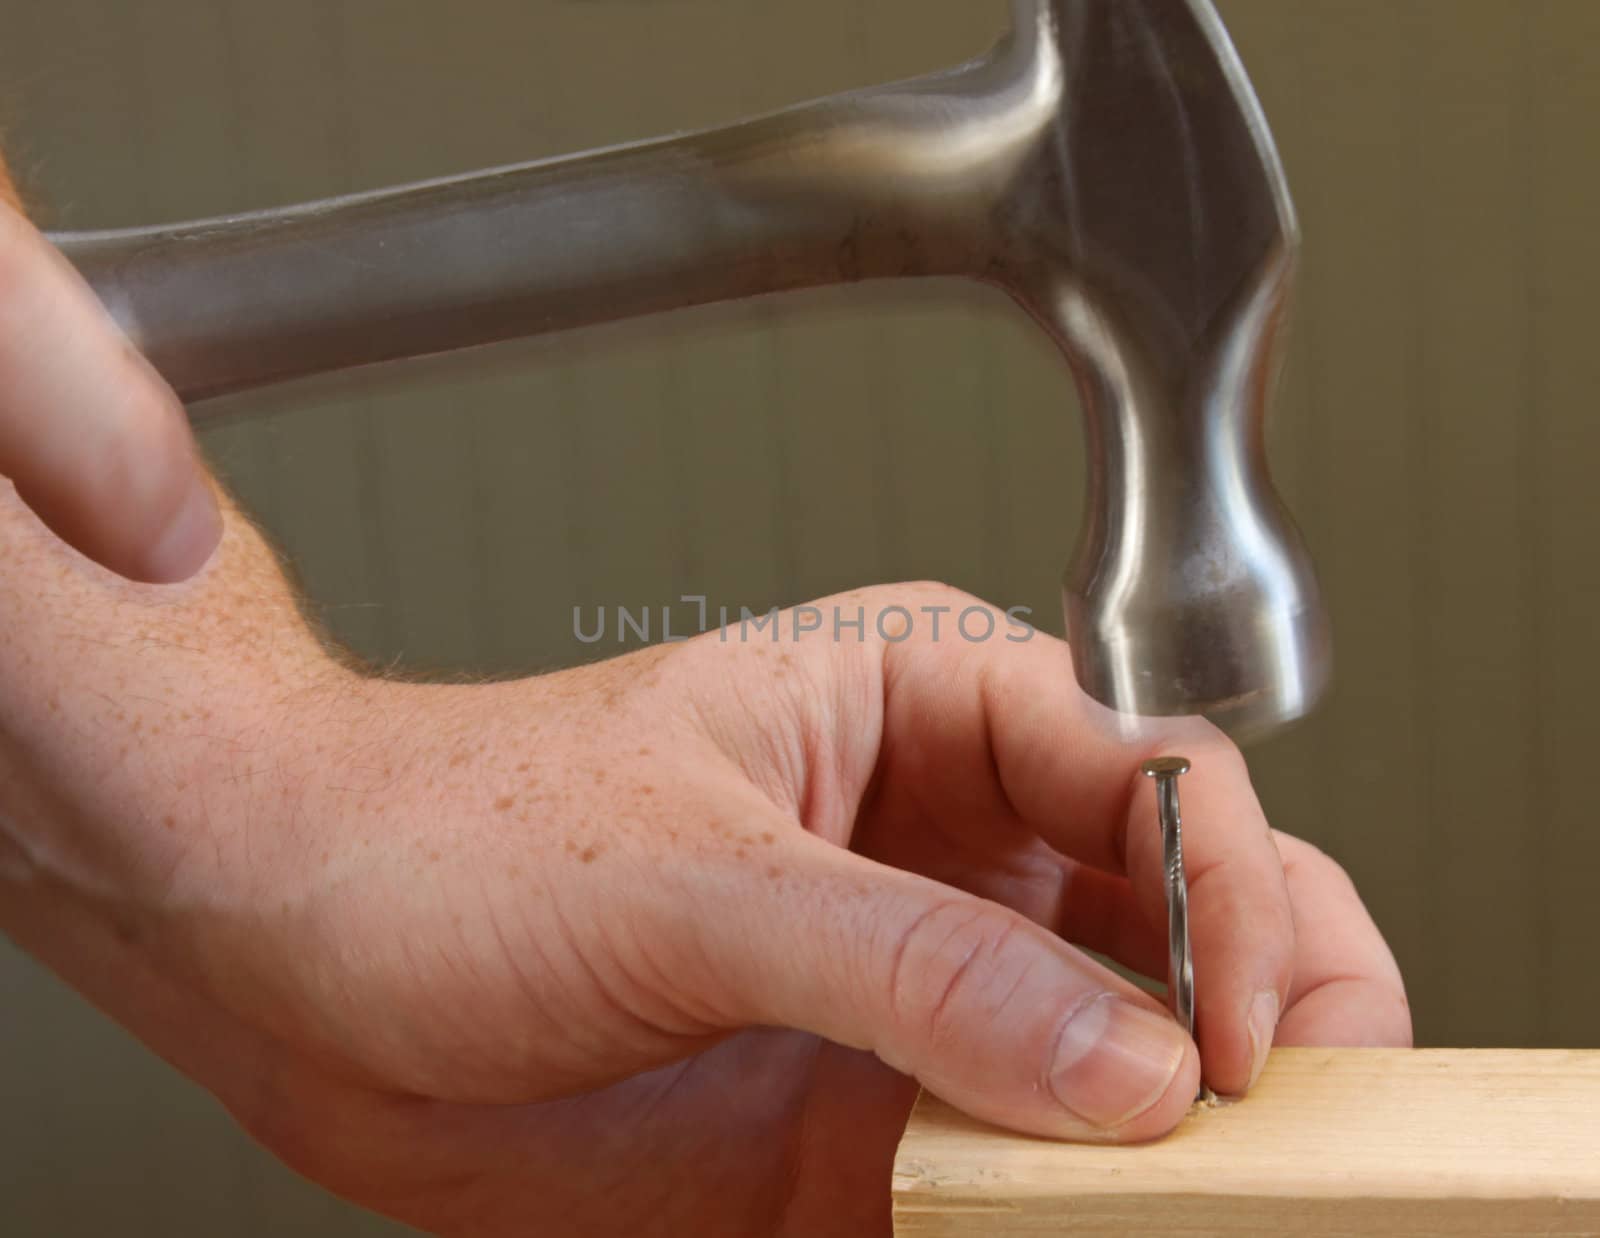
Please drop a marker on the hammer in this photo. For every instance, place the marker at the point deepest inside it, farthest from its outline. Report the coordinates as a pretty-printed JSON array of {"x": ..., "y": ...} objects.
[{"x": 1107, "y": 164}]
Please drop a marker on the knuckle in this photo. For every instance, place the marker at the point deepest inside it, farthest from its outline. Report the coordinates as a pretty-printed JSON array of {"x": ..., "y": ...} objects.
[
  {"x": 1312, "y": 861},
  {"x": 930, "y": 617},
  {"x": 934, "y": 589},
  {"x": 946, "y": 961},
  {"x": 914, "y": 594}
]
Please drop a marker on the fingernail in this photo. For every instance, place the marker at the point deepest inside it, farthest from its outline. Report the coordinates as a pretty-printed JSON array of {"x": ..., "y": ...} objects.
[
  {"x": 1263, "y": 1025},
  {"x": 1115, "y": 1060},
  {"x": 191, "y": 535}
]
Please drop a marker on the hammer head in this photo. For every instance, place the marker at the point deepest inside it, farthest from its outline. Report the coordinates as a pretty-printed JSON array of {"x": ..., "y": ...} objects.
[{"x": 1149, "y": 229}]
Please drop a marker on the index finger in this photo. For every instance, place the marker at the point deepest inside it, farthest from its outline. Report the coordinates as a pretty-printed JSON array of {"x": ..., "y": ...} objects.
[{"x": 996, "y": 730}]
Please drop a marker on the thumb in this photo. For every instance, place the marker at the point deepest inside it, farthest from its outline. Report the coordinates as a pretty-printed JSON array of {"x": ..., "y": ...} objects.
[
  {"x": 96, "y": 444},
  {"x": 985, "y": 1008}
]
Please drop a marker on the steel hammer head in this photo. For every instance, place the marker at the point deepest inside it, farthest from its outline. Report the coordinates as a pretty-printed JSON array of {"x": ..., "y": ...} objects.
[{"x": 1145, "y": 223}]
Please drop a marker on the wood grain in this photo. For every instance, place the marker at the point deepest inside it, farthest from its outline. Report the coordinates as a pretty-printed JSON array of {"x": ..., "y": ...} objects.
[{"x": 1341, "y": 1141}]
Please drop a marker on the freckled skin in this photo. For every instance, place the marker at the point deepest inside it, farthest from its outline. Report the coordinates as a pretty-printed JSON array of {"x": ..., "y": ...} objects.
[
  {"x": 569, "y": 933},
  {"x": 503, "y": 957}
]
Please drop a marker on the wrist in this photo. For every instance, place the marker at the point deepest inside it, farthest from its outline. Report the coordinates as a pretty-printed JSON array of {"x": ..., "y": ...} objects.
[{"x": 148, "y": 737}]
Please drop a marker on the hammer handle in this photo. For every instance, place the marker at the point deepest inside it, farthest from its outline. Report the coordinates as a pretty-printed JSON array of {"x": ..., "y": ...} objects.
[{"x": 853, "y": 187}]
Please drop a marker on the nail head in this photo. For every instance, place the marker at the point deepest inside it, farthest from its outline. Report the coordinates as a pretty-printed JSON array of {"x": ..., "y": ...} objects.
[{"x": 1166, "y": 767}]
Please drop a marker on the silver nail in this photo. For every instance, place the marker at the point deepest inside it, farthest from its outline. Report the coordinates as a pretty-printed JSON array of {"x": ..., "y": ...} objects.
[{"x": 1180, "y": 961}]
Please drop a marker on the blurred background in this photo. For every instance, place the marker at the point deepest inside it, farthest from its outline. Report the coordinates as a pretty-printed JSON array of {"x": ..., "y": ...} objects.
[{"x": 1434, "y": 435}]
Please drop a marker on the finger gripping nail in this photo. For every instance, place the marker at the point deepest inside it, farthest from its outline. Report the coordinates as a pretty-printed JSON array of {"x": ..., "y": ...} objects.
[
  {"x": 1263, "y": 1026},
  {"x": 1115, "y": 1060}
]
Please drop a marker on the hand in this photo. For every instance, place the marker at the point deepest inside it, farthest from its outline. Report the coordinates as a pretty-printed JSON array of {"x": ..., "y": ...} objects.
[
  {"x": 94, "y": 441},
  {"x": 519, "y": 956},
  {"x": 505, "y": 958}
]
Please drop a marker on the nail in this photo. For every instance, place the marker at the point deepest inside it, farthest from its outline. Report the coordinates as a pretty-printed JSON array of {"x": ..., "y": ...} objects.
[
  {"x": 1115, "y": 1060},
  {"x": 1180, "y": 955},
  {"x": 1263, "y": 1025},
  {"x": 189, "y": 539}
]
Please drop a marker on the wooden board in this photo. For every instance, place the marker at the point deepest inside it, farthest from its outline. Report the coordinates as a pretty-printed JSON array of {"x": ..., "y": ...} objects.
[{"x": 1332, "y": 1141}]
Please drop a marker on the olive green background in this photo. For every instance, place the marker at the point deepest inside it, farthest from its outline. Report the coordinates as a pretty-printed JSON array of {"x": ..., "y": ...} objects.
[{"x": 1434, "y": 433}]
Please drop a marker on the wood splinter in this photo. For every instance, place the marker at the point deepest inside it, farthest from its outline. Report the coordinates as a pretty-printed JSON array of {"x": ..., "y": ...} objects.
[{"x": 1331, "y": 1141}]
